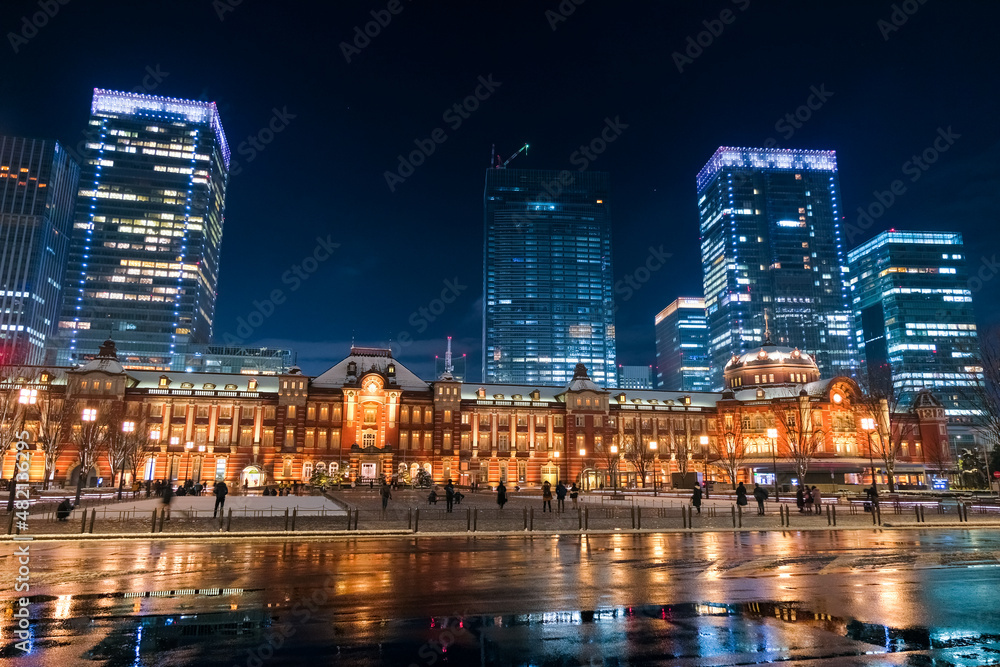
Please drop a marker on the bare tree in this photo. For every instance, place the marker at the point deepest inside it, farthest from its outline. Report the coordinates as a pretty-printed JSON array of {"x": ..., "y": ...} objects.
[
  {"x": 609, "y": 451},
  {"x": 984, "y": 386},
  {"x": 90, "y": 436},
  {"x": 730, "y": 447},
  {"x": 637, "y": 450},
  {"x": 12, "y": 406},
  {"x": 802, "y": 432},
  {"x": 55, "y": 418},
  {"x": 883, "y": 404}
]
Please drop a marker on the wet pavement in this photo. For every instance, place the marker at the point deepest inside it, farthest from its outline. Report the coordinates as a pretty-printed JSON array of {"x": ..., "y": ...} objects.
[{"x": 816, "y": 598}]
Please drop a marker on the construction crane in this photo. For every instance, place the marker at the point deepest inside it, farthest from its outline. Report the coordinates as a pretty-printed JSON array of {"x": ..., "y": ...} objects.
[{"x": 503, "y": 165}]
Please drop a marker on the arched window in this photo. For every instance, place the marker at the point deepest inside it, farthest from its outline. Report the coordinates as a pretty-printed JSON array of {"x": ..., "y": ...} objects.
[
  {"x": 307, "y": 470},
  {"x": 321, "y": 467}
]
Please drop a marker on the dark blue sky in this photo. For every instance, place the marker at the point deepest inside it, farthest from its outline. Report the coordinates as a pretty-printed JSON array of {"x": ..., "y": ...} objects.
[{"x": 887, "y": 90}]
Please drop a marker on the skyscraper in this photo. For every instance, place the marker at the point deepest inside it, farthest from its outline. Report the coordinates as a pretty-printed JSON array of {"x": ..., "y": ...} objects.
[
  {"x": 144, "y": 260},
  {"x": 547, "y": 279},
  {"x": 913, "y": 310},
  {"x": 682, "y": 360},
  {"x": 771, "y": 242},
  {"x": 635, "y": 377},
  {"x": 38, "y": 182}
]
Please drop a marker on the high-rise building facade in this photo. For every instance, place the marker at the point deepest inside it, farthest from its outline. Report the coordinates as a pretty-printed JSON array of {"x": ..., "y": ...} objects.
[
  {"x": 682, "y": 359},
  {"x": 913, "y": 310},
  {"x": 144, "y": 260},
  {"x": 635, "y": 377},
  {"x": 38, "y": 182},
  {"x": 771, "y": 242},
  {"x": 547, "y": 283}
]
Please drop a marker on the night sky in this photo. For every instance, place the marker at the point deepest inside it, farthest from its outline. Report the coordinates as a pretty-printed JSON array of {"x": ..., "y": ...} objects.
[{"x": 886, "y": 91}]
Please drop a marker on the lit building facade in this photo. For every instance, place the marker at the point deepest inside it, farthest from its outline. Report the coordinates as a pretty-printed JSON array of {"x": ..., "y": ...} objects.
[
  {"x": 682, "y": 358},
  {"x": 548, "y": 303},
  {"x": 913, "y": 311},
  {"x": 242, "y": 360},
  {"x": 635, "y": 377},
  {"x": 771, "y": 242},
  {"x": 38, "y": 182},
  {"x": 144, "y": 259},
  {"x": 369, "y": 416}
]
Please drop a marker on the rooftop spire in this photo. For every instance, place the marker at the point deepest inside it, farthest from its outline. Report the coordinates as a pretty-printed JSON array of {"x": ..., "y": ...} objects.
[{"x": 448, "y": 367}]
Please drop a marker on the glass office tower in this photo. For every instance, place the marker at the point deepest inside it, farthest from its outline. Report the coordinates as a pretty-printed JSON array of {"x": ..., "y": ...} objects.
[
  {"x": 682, "y": 360},
  {"x": 547, "y": 277},
  {"x": 38, "y": 182},
  {"x": 635, "y": 377},
  {"x": 144, "y": 261},
  {"x": 913, "y": 310},
  {"x": 771, "y": 242}
]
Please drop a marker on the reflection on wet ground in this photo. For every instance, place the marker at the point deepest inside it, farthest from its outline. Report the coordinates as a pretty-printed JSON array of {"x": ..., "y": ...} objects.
[{"x": 871, "y": 599}]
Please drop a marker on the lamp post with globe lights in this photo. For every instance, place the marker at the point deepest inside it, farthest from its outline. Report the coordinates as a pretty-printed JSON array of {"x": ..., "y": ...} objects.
[
  {"x": 772, "y": 435},
  {"x": 703, "y": 440},
  {"x": 656, "y": 457}
]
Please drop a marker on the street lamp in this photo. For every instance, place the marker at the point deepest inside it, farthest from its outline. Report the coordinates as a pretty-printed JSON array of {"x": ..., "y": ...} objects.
[
  {"x": 772, "y": 434},
  {"x": 89, "y": 415},
  {"x": 656, "y": 457},
  {"x": 704, "y": 452},
  {"x": 868, "y": 425},
  {"x": 614, "y": 466}
]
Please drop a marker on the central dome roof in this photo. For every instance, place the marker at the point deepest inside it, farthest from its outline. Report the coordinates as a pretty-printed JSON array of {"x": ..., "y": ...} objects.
[{"x": 770, "y": 365}]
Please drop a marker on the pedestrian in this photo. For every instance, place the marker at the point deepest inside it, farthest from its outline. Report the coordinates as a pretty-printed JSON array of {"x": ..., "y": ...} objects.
[
  {"x": 800, "y": 499},
  {"x": 149, "y": 487},
  {"x": 561, "y": 496},
  {"x": 816, "y": 500},
  {"x": 872, "y": 494},
  {"x": 220, "y": 491},
  {"x": 808, "y": 497},
  {"x": 63, "y": 510},
  {"x": 546, "y": 496},
  {"x": 432, "y": 497},
  {"x": 168, "y": 495},
  {"x": 197, "y": 489},
  {"x": 386, "y": 494},
  {"x": 696, "y": 498},
  {"x": 760, "y": 495},
  {"x": 574, "y": 493},
  {"x": 741, "y": 495},
  {"x": 501, "y": 495},
  {"x": 449, "y": 496}
]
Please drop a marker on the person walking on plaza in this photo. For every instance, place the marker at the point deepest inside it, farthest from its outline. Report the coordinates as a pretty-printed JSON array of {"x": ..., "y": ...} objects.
[
  {"x": 760, "y": 495},
  {"x": 816, "y": 500},
  {"x": 546, "y": 497},
  {"x": 574, "y": 493},
  {"x": 808, "y": 496},
  {"x": 387, "y": 494},
  {"x": 741, "y": 495},
  {"x": 696, "y": 498},
  {"x": 501, "y": 495},
  {"x": 449, "y": 496},
  {"x": 220, "y": 491},
  {"x": 246, "y": 486},
  {"x": 800, "y": 499},
  {"x": 561, "y": 496}
]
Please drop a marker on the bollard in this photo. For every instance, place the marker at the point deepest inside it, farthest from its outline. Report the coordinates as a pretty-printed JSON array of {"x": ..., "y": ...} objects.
[
  {"x": 163, "y": 517},
  {"x": 739, "y": 515},
  {"x": 468, "y": 519},
  {"x": 357, "y": 515},
  {"x": 229, "y": 519},
  {"x": 153, "y": 529},
  {"x": 638, "y": 518},
  {"x": 93, "y": 515},
  {"x": 10, "y": 524},
  {"x": 733, "y": 508},
  {"x": 916, "y": 510},
  {"x": 475, "y": 519},
  {"x": 874, "y": 519},
  {"x": 834, "y": 508},
  {"x": 586, "y": 518},
  {"x": 348, "y": 518},
  {"x": 684, "y": 520},
  {"x": 579, "y": 518},
  {"x": 416, "y": 519},
  {"x": 286, "y": 519},
  {"x": 83, "y": 524},
  {"x": 531, "y": 519},
  {"x": 526, "y": 518},
  {"x": 878, "y": 513},
  {"x": 168, "y": 512},
  {"x": 828, "y": 522},
  {"x": 409, "y": 519},
  {"x": 295, "y": 514},
  {"x": 632, "y": 512},
  {"x": 923, "y": 519}
]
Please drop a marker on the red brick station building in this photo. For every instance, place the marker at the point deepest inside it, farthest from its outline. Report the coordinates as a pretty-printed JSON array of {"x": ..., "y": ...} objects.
[{"x": 370, "y": 417}]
